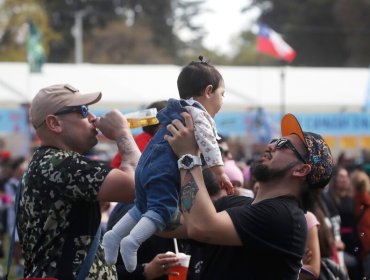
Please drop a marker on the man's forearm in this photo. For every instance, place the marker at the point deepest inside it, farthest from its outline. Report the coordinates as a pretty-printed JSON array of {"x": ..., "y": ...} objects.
[
  {"x": 129, "y": 151},
  {"x": 196, "y": 205}
]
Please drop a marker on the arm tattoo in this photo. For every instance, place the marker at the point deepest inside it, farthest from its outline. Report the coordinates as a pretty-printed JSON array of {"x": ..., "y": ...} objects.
[
  {"x": 188, "y": 192},
  {"x": 127, "y": 148},
  {"x": 175, "y": 222}
]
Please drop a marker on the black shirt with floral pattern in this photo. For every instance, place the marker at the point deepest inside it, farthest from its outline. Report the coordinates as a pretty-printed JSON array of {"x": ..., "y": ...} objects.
[{"x": 59, "y": 215}]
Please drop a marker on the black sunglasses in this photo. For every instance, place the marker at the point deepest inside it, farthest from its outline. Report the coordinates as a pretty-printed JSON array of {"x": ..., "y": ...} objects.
[
  {"x": 283, "y": 143},
  {"x": 83, "y": 110}
]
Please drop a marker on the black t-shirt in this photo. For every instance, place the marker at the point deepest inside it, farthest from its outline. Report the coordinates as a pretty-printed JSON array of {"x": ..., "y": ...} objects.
[
  {"x": 147, "y": 251},
  {"x": 273, "y": 233}
]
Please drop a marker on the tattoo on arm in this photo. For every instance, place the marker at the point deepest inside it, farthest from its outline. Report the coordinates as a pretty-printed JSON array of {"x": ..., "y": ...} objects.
[
  {"x": 129, "y": 151},
  {"x": 175, "y": 222},
  {"x": 189, "y": 190}
]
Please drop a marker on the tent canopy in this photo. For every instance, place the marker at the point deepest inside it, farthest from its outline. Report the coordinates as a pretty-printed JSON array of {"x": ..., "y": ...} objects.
[{"x": 134, "y": 86}]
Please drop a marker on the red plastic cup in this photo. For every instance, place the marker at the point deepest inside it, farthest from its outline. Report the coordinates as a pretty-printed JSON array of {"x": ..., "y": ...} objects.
[{"x": 181, "y": 269}]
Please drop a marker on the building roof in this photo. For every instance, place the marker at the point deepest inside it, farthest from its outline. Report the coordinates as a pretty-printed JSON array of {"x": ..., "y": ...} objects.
[{"x": 133, "y": 86}]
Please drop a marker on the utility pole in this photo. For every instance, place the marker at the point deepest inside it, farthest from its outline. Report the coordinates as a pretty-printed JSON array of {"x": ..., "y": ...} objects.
[
  {"x": 77, "y": 32},
  {"x": 282, "y": 91}
]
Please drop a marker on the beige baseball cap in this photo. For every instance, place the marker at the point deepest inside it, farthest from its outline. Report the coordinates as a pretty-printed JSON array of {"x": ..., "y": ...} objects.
[{"x": 52, "y": 99}]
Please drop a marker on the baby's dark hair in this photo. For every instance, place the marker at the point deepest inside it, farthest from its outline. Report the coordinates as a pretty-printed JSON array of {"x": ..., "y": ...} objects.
[{"x": 196, "y": 76}]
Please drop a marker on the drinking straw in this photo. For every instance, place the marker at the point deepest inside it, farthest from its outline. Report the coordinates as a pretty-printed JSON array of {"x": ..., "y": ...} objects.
[{"x": 176, "y": 247}]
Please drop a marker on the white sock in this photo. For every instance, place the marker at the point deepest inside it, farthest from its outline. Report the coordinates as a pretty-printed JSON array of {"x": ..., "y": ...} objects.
[
  {"x": 112, "y": 238},
  {"x": 144, "y": 229}
]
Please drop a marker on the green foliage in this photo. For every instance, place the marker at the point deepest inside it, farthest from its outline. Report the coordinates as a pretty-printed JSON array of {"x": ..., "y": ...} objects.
[
  {"x": 14, "y": 16},
  {"x": 131, "y": 26},
  {"x": 62, "y": 13},
  {"x": 122, "y": 44},
  {"x": 354, "y": 19},
  {"x": 323, "y": 32}
]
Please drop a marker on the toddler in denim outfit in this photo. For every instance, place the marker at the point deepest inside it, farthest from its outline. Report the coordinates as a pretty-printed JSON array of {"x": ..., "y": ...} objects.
[{"x": 157, "y": 178}]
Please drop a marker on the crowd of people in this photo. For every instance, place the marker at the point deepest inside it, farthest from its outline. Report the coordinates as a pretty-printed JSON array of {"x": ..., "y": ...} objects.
[{"x": 295, "y": 212}]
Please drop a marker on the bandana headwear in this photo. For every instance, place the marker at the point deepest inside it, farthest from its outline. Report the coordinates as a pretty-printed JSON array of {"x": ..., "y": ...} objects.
[{"x": 319, "y": 154}]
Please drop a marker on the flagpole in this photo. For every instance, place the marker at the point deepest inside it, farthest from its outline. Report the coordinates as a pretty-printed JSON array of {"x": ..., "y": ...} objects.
[
  {"x": 282, "y": 90},
  {"x": 271, "y": 43}
]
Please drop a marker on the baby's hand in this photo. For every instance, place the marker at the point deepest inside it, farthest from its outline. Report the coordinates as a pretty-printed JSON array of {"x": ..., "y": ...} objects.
[{"x": 224, "y": 182}]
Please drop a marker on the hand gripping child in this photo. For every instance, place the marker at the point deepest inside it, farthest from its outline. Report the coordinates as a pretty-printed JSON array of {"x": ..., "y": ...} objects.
[{"x": 157, "y": 178}]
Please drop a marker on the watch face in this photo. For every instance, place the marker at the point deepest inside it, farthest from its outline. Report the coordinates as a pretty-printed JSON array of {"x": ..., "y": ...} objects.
[{"x": 187, "y": 161}]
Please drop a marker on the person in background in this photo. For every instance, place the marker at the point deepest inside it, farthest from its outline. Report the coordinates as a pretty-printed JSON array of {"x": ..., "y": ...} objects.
[
  {"x": 201, "y": 89},
  {"x": 264, "y": 238},
  {"x": 192, "y": 247},
  {"x": 143, "y": 138},
  {"x": 105, "y": 209},
  {"x": 322, "y": 248},
  {"x": 237, "y": 179},
  {"x": 213, "y": 188},
  {"x": 361, "y": 184},
  {"x": 5, "y": 156},
  {"x": 5, "y": 200},
  {"x": 224, "y": 148},
  {"x": 150, "y": 255},
  {"x": 340, "y": 194},
  {"x": 59, "y": 209},
  {"x": 17, "y": 166},
  {"x": 311, "y": 259}
]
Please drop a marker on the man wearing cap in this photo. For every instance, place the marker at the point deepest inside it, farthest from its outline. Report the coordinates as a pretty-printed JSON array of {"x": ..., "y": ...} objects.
[
  {"x": 261, "y": 238},
  {"x": 59, "y": 212}
]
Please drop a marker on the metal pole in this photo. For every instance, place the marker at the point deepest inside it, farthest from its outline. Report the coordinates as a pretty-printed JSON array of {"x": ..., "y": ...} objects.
[
  {"x": 78, "y": 34},
  {"x": 282, "y": 85}
]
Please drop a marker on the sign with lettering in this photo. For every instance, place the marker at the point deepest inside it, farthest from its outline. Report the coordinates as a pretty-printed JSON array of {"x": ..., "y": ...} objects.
[{"x": 257, "y": 124}]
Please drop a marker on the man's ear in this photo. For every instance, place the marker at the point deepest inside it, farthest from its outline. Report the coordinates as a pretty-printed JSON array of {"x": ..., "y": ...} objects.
[
  {"x": 302, "y": 171},
  {"x": 53, "y": 123}
]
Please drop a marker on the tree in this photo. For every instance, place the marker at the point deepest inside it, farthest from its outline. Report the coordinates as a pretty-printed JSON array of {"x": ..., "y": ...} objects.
[
  {"x": 157, "y": 20},
  {"x": 62, "y": 14},
  {"x": 14, "y": 18},
  {"x": 311, "y": 27},
  {"x": 354, "y": 18},
  {"x": 122, "y": 44}
]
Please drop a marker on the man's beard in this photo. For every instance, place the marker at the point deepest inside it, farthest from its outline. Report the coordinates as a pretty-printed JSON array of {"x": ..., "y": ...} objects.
[{"x": 262, "y": 173}]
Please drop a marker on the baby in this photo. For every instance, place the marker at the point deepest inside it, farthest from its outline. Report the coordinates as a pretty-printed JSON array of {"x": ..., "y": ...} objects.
[{"x": 157, "y": 178}]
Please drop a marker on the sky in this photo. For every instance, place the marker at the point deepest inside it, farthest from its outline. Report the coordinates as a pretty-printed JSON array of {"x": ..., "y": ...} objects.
[{"x": 225, "y": 21}]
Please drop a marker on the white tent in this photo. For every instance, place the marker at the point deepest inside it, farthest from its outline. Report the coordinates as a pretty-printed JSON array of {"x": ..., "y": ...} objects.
[{"x": 134, "y": 86}]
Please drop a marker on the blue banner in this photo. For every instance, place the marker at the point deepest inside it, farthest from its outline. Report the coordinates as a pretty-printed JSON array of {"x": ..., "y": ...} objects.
[
  {"x": 336, "y": 124},
  {"x": 257, "y": 124},
  {"x": 357, "y": 124},
  {"x": 13, "y": 120}
]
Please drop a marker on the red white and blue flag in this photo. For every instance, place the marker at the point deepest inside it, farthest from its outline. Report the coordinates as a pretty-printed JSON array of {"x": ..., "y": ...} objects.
[{"x": 271, "y": 43}]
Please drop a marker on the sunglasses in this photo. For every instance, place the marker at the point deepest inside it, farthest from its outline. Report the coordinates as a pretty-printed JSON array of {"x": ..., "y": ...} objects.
[
  {"x": 283, "y": 143},
  {"x": 83, "y": 110}
]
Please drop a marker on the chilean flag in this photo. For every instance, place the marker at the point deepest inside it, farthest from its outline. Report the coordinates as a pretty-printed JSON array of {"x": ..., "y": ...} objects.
[{"x": 271, "y": 43}]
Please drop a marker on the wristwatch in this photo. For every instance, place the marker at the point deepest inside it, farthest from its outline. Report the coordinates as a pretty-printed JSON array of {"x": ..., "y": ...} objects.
[{"x": 188, "y": 161}]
